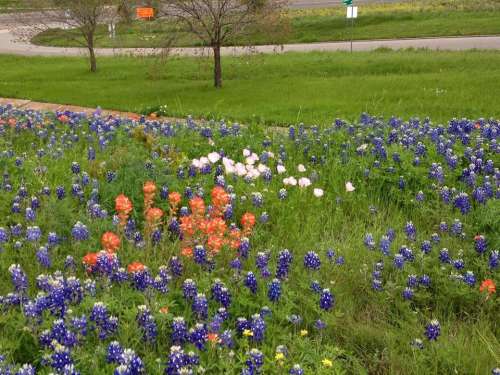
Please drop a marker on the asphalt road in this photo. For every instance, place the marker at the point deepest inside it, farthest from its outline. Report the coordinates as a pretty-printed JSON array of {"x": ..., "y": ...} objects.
[{"x": 9, "y": 45}]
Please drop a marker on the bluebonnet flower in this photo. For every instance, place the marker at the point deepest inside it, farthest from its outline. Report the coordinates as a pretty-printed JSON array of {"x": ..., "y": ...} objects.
[
  {"x": 435, "y": 238},
  {"x": 19, "y": 278},
  {"x": 130, "y": 364},
  {"x": 177, "y": 361},
  {"x": 401, "y": 183},
  {"x": 385, "y": 245},
  {"x": 445, "y": 194},
  {"x": 493, "y": 259},
  {"x": 226, "y": 339},
  {"x": 296, "y": 370},
  {"x": 198, "y": 336},
  {"x": 60, "y": 358},
  {"x": 265, "y": 311},
  {"x": 285, "y": 259},
  {"x": 480, "y": 244},
  {"x": 75, "y": 167},
  {"x": 43, "y": 257},
  {"x": 189, "y": 289},
  {"x": 315, "y": 286},
  {"x": 326, "y": 300},
  {"x": 257, "y": 199},
  {"x": 106, "y": 324},
  {"x": 4, "y": 235},
  {"x": 408, "y": 293},
  {"x": 399, "y": 261},
  {"x": 433, "y": 330},
  {"x": 426, "y": 247},
  {"x": 458, "y": 264},
  {"x": 469, "y": 278},
  {"x": 251, "y": 282},
  {"x": 407, "y": 253},
  {"x": 80, "y": 232},
  {"x": 199, "y": 254},
  {"x": 33, "y": 234},
  {"x": 461, "y": 201},
  {"x": 411, "y": 232},
  {"x": 175, "y": 266},
  {"x": 312, "y": 261},
  {"x": 443, "y": 227},
  {"x": 147, "y": 324},
  {"x": 254, "y": 362},
  {"x": 26, "y": 369},
  {"x": 236, "y": 264},
  {"x": 420, "y": 197},
  {"x": 179, "y": 333},
  {"x": 456, "y": 227},
  {"x": 444, "y": 256},
  {"x": 282, "y": 194},
  {"x": 340, "y": 260},
  {"x": 412, "y": 281},
  {"x": 369, "y": 241},
  {"x": 114, "y": 352},
  {"x": 274, "y": 290},
  {"x": 244, "y": 247},
  {"x": 258, "y": 328},
  {"x": 30, "y": 214},
  {"x": 200, "y": 306}
]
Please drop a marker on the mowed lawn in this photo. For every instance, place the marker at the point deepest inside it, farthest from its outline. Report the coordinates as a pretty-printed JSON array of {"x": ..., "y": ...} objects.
[
  {"x": 417, "y": 18},
  {"x": 313, "y": 88}
]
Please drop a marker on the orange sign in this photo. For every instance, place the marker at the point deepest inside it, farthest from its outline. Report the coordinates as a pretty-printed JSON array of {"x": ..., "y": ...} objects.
[{"x": 145, "y": 12}]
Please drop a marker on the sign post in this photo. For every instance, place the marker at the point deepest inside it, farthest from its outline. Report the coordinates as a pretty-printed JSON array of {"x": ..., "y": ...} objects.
[{"x": 352, "y": 13}]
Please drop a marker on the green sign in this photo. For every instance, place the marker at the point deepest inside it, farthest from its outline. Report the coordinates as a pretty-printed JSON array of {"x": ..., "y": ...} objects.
[{"x": 347, "y": 2}]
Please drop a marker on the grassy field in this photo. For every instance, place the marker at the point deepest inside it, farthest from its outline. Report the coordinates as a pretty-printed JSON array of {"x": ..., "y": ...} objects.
[
  {"x": 290, "y": 88},
  {"x": 386, "y": 21}
]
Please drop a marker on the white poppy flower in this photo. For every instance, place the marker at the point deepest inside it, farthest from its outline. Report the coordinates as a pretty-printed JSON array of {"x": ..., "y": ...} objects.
[
  {"x": 214, "y": 157},
  {"x": 246, "y": 153},
  {"x": 281, "y": 169},
  {"x": 301, "y": 168},
  {"x": 349, "y": 186},
  {"x": 318, "y": 192},
  {"x": 304, "y": 182}
]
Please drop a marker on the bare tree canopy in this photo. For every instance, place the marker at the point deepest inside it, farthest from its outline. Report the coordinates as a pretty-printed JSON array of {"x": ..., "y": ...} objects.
[
  {"x": 214, "y": 22},
  {"x": 83, "y": 16}
]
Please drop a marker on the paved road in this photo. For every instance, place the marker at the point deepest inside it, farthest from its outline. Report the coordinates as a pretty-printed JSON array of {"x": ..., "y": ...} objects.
[{"x": 9, "y": 45}]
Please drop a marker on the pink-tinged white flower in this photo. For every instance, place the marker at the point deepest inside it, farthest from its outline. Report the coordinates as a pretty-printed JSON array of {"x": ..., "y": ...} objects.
[
  {"x": 290, "y": 181},
  {"x": 196, "y": 163},
  {"x": 211, "y": 142},
  {"x": 204, "y": 161},
  {"x": 240, "y": 169},
  {"x": 214, "y": 157},
  {"x": 252, "y": 159},
  {"x": 253, "y": 173},
  {"x": 262, "y": 168},
  {"x": 281, "y": 169},
  {"x": 270, "y": 154},
  {"x": 349, "y": 186},
  {"x": 304, "y": 182},
  {"x": 301, "y": 168},
  {"x": 318, "y": 192},
  {"x": 246, "y": 152}
]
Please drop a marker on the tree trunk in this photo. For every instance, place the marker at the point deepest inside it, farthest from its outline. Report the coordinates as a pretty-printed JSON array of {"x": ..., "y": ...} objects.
[
  {"x": 90, "y": 46},
  {"x": 93, "y": 62},
  {"x": 217, "y": 67}
]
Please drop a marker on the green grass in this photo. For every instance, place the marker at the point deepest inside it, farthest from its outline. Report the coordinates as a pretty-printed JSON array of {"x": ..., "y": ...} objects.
[
  {"x": 7, "y": 6},
  {"x": 289, "y": 88},
  {"x": 387, "y": 21}
]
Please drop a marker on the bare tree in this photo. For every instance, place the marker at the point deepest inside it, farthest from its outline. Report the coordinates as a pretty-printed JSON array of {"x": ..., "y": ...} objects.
[
  {"x": 215, "y": 22},
  {"x": 81, "y": 17}
]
